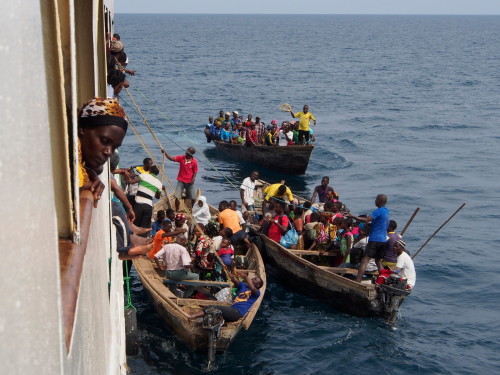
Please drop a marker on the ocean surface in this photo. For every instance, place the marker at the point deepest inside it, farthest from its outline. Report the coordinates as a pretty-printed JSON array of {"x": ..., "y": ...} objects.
[{"x": 408, "y": 106}]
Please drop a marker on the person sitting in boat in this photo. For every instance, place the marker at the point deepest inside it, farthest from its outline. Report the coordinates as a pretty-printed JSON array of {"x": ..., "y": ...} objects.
[
  {"x": 404, "y": 264},
  {"x": 225, "y": 135},
  {"x": 226, "y": 252},
  {"x": 205, "y": 258},
  {"x": 247, "y": 293},
  {"x": 285, "y": 136},
  {"x": 279, "y": 224},
  {"x": 175, "y": 260},
  {"x": 233, "y": 205},
  {"x": 101, "y": 129},
  {"x": 201, "y": 211},
  {"x": 234, "y": 134},
  {"x": 229, "y": 218},
  {"x": 390, "y": 256},
  {"x": 159, "y": 240},
  {"x": 269, "y": 136},
  {"x": 235, "y": 120},
  {"x": 251, "y": 138},
  {"x": 311, "y": 230},
  {"x": 215, "y": 131},
  {"x": 160, "y": 217},
  {"x": 320, "y": 191},
  {"x": 208, "y": 128}
]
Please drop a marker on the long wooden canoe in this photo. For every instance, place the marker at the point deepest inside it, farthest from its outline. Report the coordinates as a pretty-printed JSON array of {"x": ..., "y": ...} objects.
[
  {"x": 174, "y": 310},
  {"x": 328, "y": 283},
  {"x": 285, "y": 159}
]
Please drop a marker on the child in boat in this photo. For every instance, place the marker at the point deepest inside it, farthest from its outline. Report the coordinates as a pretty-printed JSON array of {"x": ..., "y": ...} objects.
[
  {"x": 160, "y": 239},
  {"x": 226, "y": 252},
  {"x": 346, "y": 240},
  {"x": 204, "y": 257}
]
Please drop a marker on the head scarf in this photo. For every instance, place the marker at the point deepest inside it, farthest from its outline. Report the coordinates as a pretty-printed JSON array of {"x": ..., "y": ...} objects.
[
  {"x": 99, "y": 111},
  {"x": 201, "y": 214},
  {"x": 117, "y": 46}
]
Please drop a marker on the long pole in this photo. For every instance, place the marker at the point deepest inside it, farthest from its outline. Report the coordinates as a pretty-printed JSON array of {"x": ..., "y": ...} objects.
[
  {"x": 437, "y": 230},
  {"x": 409, "y": 221}
]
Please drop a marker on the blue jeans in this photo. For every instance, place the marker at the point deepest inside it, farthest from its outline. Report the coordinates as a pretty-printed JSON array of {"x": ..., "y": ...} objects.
[{"x": 178, "y": 275}]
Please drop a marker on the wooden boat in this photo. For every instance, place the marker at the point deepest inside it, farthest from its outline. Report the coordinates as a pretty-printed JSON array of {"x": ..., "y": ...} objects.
[
  {"x": 286, "y": 159},
  {"x": 298, "y": 269},
  {"x": 330, "y": 284},
  {"x": 174, "y": 310}
]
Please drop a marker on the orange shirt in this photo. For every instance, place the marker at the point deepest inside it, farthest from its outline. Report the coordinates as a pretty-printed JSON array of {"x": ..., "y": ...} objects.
[
  {"x": 229, "y": 218},
  {"x": 158, "y": 243}
]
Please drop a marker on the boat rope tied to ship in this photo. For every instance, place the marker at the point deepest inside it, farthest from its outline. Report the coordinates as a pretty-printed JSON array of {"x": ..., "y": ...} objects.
[
  {"x": 212, "y": 322},
  {"x": 392, "y": 294}
]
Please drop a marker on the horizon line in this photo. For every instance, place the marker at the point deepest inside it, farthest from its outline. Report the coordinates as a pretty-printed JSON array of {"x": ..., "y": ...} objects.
[{"x": 316, "y": 14}]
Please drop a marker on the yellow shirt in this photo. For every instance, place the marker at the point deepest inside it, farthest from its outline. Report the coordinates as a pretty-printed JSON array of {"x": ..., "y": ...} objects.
[
  {"x": 272, "y": 191},
  {"x": 304, "y": 120}
]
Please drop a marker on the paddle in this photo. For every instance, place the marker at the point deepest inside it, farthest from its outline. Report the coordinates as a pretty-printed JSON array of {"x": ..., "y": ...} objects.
[
  {"x": 437, "y": 230},
  {"x": 409, "y": 221}
]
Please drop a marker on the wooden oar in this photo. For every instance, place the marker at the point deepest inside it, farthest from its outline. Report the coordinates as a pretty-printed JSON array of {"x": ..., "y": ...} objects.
[
  {"x": 409, "y": 221},
  {"x": 437, "y": 230}
]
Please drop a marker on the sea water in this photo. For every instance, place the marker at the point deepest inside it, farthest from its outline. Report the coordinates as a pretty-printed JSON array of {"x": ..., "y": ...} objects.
[{"x": 408, "y": 106}]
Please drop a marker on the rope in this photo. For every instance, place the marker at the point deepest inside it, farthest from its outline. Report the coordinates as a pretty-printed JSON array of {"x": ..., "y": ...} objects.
[
  {"x": 127, "y": 283},
  {"x": 181, "y": 131}
]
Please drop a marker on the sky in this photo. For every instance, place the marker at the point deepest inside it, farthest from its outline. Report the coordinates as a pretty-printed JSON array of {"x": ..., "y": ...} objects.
[{"x": 486, "y": 7}]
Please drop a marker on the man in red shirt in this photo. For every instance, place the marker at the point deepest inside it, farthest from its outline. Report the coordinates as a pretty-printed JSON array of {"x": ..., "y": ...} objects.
[
  {"x": 278, "y": 225},
  {"x": 188, "y": 169}
]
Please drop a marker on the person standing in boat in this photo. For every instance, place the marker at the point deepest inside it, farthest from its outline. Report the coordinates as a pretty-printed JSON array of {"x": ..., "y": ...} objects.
[
  {"x": 221, "y": 117},
  {"x": 149, "y": 187},
  {"x": 320, "y": 191},
  {"x": 247, "y": 191},
  {"x": 188, "y": 168},
  {"x": 377, "y": 239},
  {"x": 304, "y": 118}
]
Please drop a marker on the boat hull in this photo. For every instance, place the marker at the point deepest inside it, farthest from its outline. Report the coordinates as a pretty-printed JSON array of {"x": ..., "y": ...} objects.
[
  {"x": 285, "y": 159},
  {"x": 312, "y": 280},
  {"x": 169, "y": 307}
]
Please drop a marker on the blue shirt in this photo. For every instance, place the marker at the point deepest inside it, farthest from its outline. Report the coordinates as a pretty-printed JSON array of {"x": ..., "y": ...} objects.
[
  {"x": 244, "y": 298},
  {"x": 379, "y": 225},
  {"x": 214, "y": 131},
  {"x": 225, "y": 135}
]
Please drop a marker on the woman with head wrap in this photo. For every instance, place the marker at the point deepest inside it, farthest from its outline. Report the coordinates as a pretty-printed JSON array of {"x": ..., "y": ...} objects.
[
  {"x": 201, "y": 212},
  {"x": 101, "y": 129}
]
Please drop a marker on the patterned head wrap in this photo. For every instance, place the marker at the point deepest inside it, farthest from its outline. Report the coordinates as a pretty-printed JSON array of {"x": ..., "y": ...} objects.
[
  {"x": 180, "y": 217},
  {"x": 99, "y": 111}
]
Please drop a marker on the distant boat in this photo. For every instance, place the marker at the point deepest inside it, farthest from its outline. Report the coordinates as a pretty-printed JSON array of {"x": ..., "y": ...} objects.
[{"x": 287, "y": 159}]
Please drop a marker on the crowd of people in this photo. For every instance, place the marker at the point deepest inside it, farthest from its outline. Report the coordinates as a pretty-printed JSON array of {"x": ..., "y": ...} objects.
[
  {"x": 117, "y": 61},
  {"x": 232, "y": 128},
  {"x": 365, "y": 242}
]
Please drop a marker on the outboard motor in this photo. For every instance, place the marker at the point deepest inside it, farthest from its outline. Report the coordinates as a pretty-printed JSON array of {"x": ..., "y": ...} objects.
[
  {"x": 392, "y": 294},
  {"x": 212, "y": 322}
]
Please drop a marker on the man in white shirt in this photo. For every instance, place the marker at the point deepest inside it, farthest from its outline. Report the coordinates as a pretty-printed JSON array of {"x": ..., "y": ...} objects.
[
  {"x": 175, "y": 260},
  {"x": 247, "y": 190},
  {"x": 404, "y": 264}
]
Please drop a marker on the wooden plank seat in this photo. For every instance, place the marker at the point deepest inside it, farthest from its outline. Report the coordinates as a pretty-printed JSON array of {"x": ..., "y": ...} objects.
[
  {"x": 200, "y": 302},
  {"x": 206, "y": 283},
  {"x": 313, "y": 252},
  {"x": 350, "y": 271}
]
